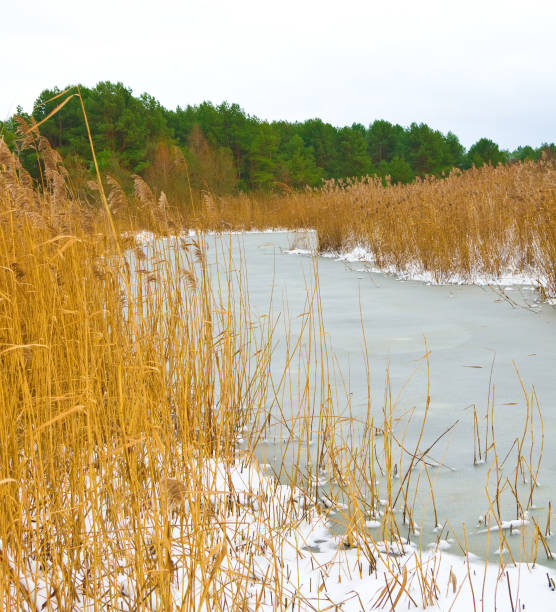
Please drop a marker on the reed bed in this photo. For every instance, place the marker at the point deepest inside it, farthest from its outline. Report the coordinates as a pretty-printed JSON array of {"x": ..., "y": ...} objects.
[
  {"x": 123, "y": 392},
  {"x": 481, "y": 224},
  {"x": 135, "y": 388}
]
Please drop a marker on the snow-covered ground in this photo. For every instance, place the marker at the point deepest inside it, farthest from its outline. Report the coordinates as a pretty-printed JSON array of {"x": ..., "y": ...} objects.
[
  {"x": 285, "y": 539},
  {"x": 270, "y": 546},
  {"x": 414, "y": 271}
]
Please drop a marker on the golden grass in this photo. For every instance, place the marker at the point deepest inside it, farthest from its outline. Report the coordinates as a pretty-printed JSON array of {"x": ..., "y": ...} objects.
[
  {"x": 105, "y": 392},
  {"x": 127, "y": 374},
  {"x": 481, "y": 222}
]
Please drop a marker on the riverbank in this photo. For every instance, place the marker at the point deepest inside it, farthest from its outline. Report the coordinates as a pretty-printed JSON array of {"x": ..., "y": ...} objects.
[{"x": 143, "y": 383}]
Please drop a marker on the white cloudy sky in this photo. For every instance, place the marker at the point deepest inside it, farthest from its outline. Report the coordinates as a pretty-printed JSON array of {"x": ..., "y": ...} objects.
[{"x": 478, "y": 68}]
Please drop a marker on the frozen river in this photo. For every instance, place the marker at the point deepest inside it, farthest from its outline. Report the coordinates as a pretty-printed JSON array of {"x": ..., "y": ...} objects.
[
  {"x": 469, "y": 330},
  {"x": 476, "y": 340}
]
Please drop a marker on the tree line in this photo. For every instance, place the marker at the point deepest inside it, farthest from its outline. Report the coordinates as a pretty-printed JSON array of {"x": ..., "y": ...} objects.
[{"x": 222, "y": 149}]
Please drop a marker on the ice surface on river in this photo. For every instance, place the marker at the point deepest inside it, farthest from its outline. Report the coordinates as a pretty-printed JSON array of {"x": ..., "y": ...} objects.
[{"x": 470, "y": 332}]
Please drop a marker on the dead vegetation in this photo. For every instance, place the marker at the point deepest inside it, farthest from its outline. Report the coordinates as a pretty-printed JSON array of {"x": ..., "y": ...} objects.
[
  {"x": 482, "y": 222},
  {"x": 128, "y": 373}
]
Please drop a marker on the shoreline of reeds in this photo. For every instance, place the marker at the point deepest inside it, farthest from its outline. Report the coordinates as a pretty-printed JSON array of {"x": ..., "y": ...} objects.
[
  {"x": 478, "y": 223},
  {"x": 125, "y": 386}
]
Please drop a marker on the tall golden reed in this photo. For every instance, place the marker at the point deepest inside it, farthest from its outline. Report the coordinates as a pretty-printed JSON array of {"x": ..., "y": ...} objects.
[
  {"x": 126, "y": 374},
  {"x": 481, "y": 222}
]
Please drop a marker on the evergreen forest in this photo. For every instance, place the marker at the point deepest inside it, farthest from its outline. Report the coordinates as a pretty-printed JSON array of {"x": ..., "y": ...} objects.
[{"x": 224, "y": 149}]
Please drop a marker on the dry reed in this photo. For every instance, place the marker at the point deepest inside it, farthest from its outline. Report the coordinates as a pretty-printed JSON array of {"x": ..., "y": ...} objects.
[
  {"x": 128, "y": 374},
  {"x": 481, "y": 223}
]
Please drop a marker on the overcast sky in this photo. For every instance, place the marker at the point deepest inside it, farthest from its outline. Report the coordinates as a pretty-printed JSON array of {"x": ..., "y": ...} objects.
[{"x": 477, "y": 68}]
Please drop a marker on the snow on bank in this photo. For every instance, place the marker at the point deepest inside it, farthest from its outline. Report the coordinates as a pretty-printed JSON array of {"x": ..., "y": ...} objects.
[
  {"x": 285, "y": 541},
  {"x": 267, "y": 545},
  {"x": 414, "y": 271}
]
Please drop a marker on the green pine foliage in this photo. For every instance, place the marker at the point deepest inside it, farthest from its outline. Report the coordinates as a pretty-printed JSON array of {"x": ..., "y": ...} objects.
[
  {"x": 220, "y": 148},
  {"x": 485, "y": 151}
]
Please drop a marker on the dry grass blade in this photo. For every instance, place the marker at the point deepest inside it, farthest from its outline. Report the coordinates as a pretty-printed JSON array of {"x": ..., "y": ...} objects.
[{"x": 35, "y": 126}]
